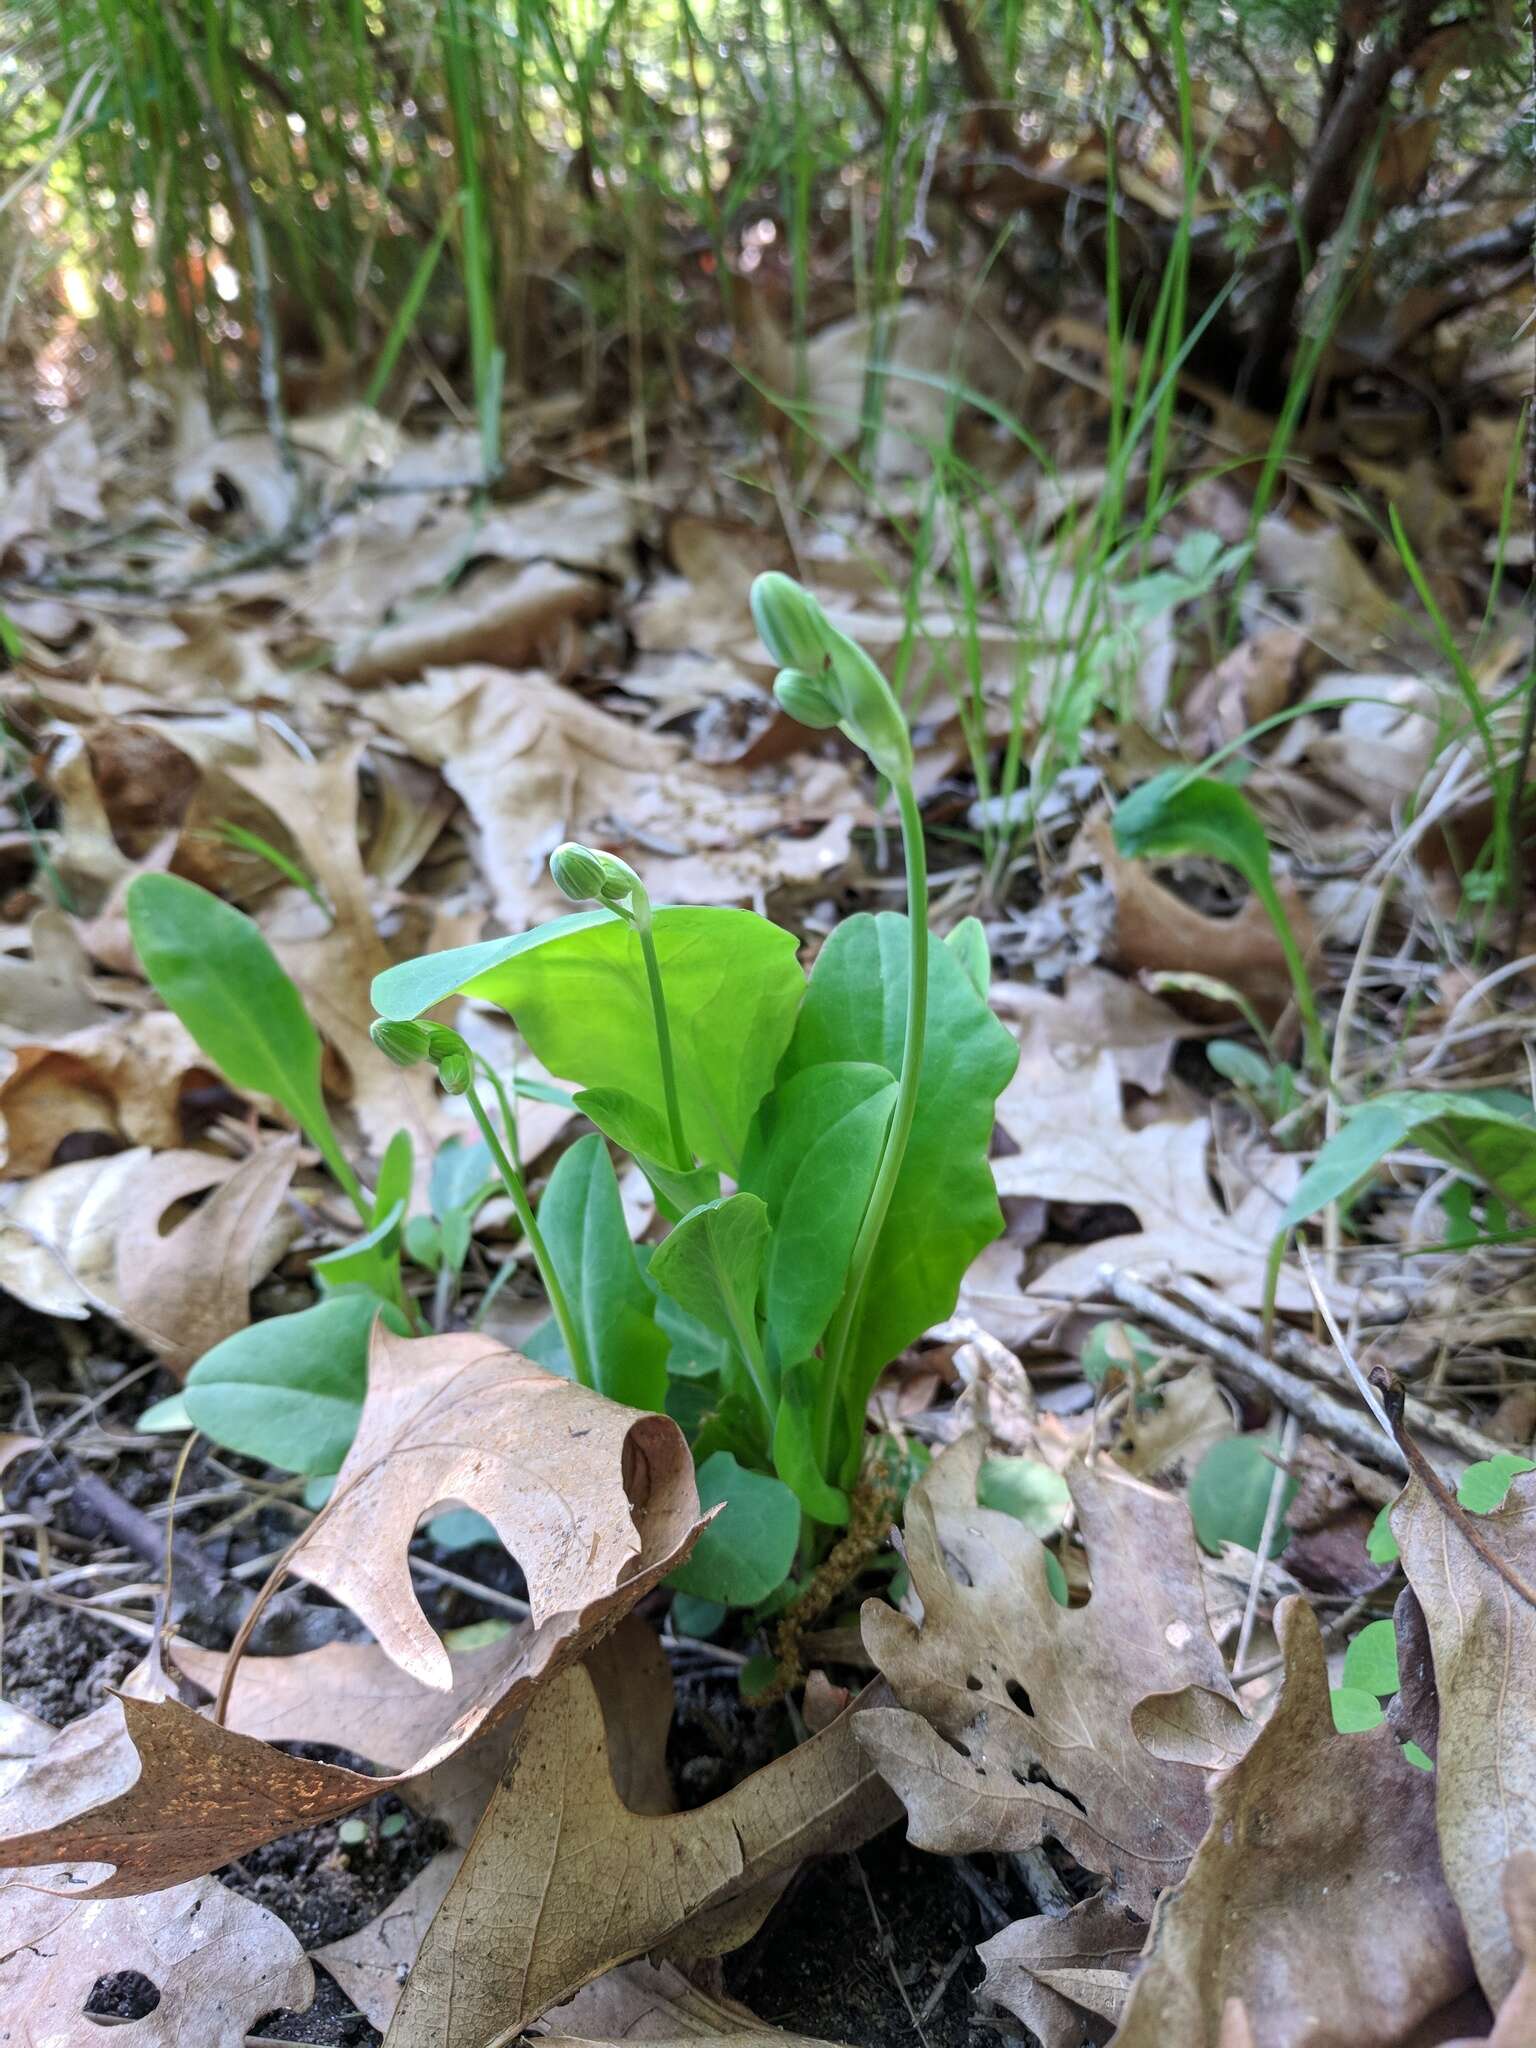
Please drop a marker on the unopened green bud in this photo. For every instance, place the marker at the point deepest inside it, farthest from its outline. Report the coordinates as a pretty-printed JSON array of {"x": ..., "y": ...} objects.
[
  {"x": 805, "y": 699},
  {"x": 443, "y": 1044},
  {"x": 401, "y": 1041},
  {"x": 577, "y": 872},
  {"x": 792, "y": 625},
  {"x": 581, "y": 872},
  {"x": 455, "y": 1073}
]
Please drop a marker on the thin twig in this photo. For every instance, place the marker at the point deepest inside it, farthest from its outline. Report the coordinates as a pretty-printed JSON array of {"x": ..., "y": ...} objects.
[
  {"x": 1317, "y": 1409},
  {"x": 1288, "y": 1436}
]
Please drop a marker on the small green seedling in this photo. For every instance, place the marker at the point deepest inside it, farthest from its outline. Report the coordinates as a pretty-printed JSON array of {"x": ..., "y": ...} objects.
[
  {"x": 1229, "y": 1494},
  {"x": 1180, "y": 812}
]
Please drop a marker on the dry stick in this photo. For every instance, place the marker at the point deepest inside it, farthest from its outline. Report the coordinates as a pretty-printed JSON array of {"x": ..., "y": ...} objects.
[
  {"x": 1292, "y": 1345},
  {"x": 1392, "y": 1398},
  {"x": 1309, "y": 1403},
  {"x": 1288, "y": 1437}
]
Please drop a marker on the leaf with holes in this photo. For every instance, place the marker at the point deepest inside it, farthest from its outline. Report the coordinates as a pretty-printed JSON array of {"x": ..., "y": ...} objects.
[{"x": 1014, "y": 1714}]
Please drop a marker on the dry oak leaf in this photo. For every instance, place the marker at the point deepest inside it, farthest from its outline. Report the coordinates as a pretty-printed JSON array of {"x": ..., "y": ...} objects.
[
  {"x": 58, "y": 1233},
  {"x": 390, "y": 1719},
  {"x": 125, "y": 1078},
  {"x": 1515, "y": 2026},
  {"x": 1483, "y": 1638},
  {"x": 333, "y": 962},
  {"x": 1076, "y": 1146},
  {"x": 1066, "y": 1979},
  {"x": 186, "y": 1289},
  {"x": 1314, "y": 1914},
  {"x": 218, "y": 1961},
  {"x": 535, "y": 764},
  {"x": 1014, "y": 1715},
  {"x": 1100, "y": 1012},
  {"x": 501, "y": 613},
  {"x": 645, "y": 2001},
  {"x": 596, "y": 1501},
  {"x": 49, "y": 994},
  {"x": 562, "y": 1880}
]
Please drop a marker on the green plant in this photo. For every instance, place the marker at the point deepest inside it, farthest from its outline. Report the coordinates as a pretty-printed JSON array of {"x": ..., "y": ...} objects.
[
  {"x": 1182, "y": 812},
  {"x": 852, "y": 1111}
]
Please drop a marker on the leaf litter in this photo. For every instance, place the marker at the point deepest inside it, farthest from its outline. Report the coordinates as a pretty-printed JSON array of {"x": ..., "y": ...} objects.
[{"x": 1121, "y": 1747}]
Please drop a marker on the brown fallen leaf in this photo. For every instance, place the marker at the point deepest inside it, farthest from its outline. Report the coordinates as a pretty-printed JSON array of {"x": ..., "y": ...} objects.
[
  {"x": 1247, "y": 686},
  {"x": 1315, "y": 1911},
  {"x": 1483, "y": 1638},
  {"x": 58, "y": 1233},
  {"x": 1515, "y": 2025},
  {"x": 1066, "y": 1979},
  {"x": 535, "y": 764},
  {"x": 218, "y": 1961},
  {"x": 511, "y": 615},
  {"x": 644, "y": 2001},
  {"x": 390, "y": 1719},
  {"x": 1172, "y": 1437},
  {"x": 1099, "y": 1012},
  {"x": 597, "y": 1503},
  {"x": 1156, "y": 931},
  {"x": 573, "y": 1882},
  {"x": 333, "y": 962},
  {"x": 185, "y": 1289},
  {"x": 125, "y": 1078},
  {"x": 49, "y": 994},
  {"x": 1013, "y": 1714},
  {"x": 1076, "y": 1146}
]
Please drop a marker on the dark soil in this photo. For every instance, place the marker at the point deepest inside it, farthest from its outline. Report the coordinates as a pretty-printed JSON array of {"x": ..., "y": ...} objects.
[
  {"x": 860, "y": 1945},
  {"x": 58, "y": 1664}
]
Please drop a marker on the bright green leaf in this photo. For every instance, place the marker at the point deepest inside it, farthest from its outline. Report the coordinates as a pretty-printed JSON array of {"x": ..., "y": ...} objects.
[
  {"x": 210, "y": 964},
  {"x": 371, "y": 1262},
  {"x": 794, "y": 1448},
  {"x": 1116, "y": 1347},
  {"x": 290, "y": 1390},
  {"x": 698, "y": 1618},
  {"x": 968, "y": 943},
  {"x": 1485, "y": 1484},
  {"x": 582, "y": 1221},
  {"x": 747, "y": 1551},
  {"x": 423, "y": 1242},
  {"x": 1412, "y": 1754},
  {"x": 460, "y": 1529},
  {"x": 944, "y": 1209},
  {"x": 1354, "y": 1711},
  {"x": 163, "y": 1418},
  {"x": 812, "y": 1156},
  {"x": 1028, "y": 1490},
  {"x": 1370, "y": 1662},
  {"x": 1175, "y": 814},
  {"x": 1490, "y": 1135},
  {"x": 578, "y": 991},
  {"x": 1229, "y": 1494},
  {"x": 642, "y": 1131},
  {"x": 1381, "y": 1544},
  {"x": 711, "y": 1265}
]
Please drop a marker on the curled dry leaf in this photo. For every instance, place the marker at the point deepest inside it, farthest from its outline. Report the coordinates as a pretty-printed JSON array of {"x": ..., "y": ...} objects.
[
  {"x": 1157, "y": 931},
  {"x": 1013, "y": 1715},
  {"x": 1483, "y": 1638},
  {"x": 49, "y": 994},
  {"x": 645, "y": 2001},
  {"x": 501, "y": 613},
  {"x": 1066, "y": 1979},
  {"x": 1314, "y": 1914},
  {"x": 58, "y": 1233},
  {"x": 573, "y": 1882},
  {"x": 125, "y": 1079},
  {"x": 1075, "y": 1146},
  {"x": 598, "y": 1504}
]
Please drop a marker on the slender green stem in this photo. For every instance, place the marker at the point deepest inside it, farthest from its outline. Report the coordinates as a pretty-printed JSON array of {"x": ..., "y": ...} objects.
[
  {"x": 682, "y": 1157},
  {"x": 1301, "y": 982},
  {"x": 351, "y": 1186},
  {"x": 512, "y": 1181},
  {"x": 832, "y": 1384},
  {"x": 751, "y": 1347}
]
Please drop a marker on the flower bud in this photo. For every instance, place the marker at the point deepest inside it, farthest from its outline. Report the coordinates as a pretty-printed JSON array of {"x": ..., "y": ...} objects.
[
  {"x": 404, "y": 1043},
  {"x": 792, "y": 625},
  {"x": 455, "y": 1073},
  {"x": 804, "y": 698},
  {"x": 577, "y": 872}
]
